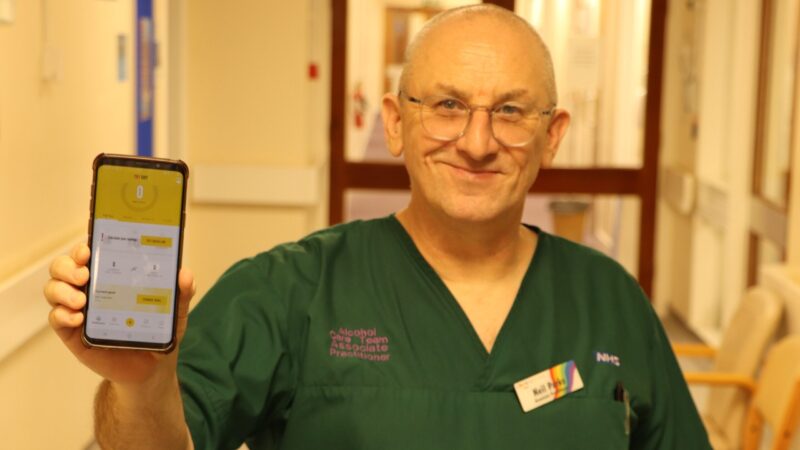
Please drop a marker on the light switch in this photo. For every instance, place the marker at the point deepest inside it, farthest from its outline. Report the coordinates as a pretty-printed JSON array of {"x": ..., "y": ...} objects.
[{"x": 6, "y": 11}]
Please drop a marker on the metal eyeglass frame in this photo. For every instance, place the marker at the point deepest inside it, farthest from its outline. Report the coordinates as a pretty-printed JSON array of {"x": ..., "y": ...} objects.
[{"x": 470, "y": 109}]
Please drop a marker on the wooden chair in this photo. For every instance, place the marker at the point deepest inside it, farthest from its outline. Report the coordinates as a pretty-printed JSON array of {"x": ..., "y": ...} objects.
[
  {"x": 776, "y": 401},
  {"x": 736, "y": 360}
]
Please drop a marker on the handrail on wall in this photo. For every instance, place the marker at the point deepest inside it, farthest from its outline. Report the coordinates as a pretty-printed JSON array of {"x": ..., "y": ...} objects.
[{"x": 22, "y": 302}]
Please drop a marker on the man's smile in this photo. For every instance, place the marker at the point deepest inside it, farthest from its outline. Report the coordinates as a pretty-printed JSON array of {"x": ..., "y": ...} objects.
[{"x": 470, "y": 173}]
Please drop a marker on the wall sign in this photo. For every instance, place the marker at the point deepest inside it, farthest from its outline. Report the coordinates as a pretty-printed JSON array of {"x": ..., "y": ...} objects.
[{"x": 145, "y": 74}]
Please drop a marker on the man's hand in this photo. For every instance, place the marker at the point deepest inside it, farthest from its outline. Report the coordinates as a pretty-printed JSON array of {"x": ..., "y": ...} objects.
[
  {"x": 65, "y": 295},
  {"x": 135, "y": 380}
]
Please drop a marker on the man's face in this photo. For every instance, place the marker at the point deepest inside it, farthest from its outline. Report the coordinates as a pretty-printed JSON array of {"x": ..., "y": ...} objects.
[{"x": 474, "y": 178}]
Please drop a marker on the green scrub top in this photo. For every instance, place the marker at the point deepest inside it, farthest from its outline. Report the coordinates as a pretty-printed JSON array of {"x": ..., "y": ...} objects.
[{"x": 348, "y": 339}]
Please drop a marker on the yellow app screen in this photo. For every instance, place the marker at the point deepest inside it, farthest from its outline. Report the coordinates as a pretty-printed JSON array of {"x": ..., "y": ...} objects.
[{"x": 135, "y": 248}]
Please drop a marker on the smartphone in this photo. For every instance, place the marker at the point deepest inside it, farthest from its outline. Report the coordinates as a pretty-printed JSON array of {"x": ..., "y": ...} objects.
[{"x": 136, "y": 222}]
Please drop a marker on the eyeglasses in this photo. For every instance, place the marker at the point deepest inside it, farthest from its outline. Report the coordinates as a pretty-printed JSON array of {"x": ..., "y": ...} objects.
[{"x": 446, "y": 119}]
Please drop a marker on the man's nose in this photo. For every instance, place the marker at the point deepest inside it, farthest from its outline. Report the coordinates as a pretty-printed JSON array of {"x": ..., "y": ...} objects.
[{"x": 478, "y": 140}]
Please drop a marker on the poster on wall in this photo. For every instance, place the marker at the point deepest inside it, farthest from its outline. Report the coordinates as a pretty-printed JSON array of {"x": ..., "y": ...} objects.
[{"x": 145, "y": 67}]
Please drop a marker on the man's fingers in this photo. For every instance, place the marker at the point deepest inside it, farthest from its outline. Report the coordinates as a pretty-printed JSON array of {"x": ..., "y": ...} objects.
[
  {"x": 64, "y": 268},
  {"x": 61, "y": 317},
  {"x": 68, "y": 274},
  {"x": 187, "y": 288},
  {"x": 60, "y": 293},
  {"x": 80, "y": 254}
]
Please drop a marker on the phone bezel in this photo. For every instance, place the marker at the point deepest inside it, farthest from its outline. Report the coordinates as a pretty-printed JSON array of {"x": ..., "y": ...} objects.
[{"x": 147, "y": 163}]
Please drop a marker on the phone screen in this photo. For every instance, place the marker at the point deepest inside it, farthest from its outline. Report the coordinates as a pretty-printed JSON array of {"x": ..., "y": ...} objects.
[{"x": 136, "y": 239}]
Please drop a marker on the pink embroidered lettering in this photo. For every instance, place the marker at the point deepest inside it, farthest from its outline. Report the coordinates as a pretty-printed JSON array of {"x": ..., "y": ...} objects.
[{"x": 359, "y": 343}]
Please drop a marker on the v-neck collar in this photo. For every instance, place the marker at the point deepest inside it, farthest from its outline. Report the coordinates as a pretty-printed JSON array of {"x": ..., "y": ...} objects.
[{"x": 449, "y": 299}]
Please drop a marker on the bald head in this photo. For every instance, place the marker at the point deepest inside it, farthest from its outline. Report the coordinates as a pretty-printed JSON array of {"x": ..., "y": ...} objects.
[{"x": 474, "y": 15}]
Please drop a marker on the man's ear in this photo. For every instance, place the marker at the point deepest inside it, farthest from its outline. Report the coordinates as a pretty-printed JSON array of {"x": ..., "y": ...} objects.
[
  {"x": 392, "y": 124},
  {"x": 555, "y": 132}
]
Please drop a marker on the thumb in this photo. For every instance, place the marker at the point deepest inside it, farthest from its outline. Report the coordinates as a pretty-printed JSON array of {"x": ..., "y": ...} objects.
[{"x": 186, "y": 290}]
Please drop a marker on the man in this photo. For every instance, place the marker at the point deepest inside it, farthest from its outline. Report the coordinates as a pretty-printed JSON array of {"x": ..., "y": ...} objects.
[{"x": 410, "y": 332}]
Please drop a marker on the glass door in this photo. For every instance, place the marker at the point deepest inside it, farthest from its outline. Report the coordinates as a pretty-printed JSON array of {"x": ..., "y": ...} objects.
[{"x": 609, "y": 162}]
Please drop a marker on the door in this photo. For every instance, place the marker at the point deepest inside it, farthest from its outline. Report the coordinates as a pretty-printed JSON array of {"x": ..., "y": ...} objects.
[{"x": 775, "y": 134}]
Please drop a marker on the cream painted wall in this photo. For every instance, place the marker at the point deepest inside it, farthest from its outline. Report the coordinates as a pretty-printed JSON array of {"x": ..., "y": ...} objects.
[
  {"x": 47, "y": 397},
  {"x": 219, "y": 235},
  {"x": 246, "y": 80},
  {"x": 249, "y": 102},
  {"x": 50, "y": 130}
]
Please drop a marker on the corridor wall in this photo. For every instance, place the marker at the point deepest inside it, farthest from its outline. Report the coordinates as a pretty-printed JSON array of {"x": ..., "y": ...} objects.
[{"x": 61, "y": 102}]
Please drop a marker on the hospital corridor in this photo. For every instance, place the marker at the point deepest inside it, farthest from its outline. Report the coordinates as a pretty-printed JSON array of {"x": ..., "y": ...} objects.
[{"x": 679, "y": 165}]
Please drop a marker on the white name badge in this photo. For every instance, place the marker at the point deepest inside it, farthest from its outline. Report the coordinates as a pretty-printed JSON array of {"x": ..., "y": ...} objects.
[{"x": 548, "y": 385}]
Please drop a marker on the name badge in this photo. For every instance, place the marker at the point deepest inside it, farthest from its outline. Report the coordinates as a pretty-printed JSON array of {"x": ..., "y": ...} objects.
[{"x": 548, "y": 385}]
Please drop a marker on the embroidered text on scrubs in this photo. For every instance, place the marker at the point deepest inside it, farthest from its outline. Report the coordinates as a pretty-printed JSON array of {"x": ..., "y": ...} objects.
[
  {"x": 360, "y": 344},
  {"x": 607, "y": 358}
]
